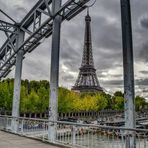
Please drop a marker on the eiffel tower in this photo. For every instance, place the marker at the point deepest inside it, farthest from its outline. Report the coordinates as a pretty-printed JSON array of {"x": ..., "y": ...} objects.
[{"x": 87, "y": 80}]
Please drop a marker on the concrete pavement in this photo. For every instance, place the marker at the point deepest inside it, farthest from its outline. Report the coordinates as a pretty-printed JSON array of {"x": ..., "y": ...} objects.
[{"x": 8, "y": 140}]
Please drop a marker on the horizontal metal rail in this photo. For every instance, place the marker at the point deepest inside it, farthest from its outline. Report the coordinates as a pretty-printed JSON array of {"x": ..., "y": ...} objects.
[{"x": 77, "y": 124}]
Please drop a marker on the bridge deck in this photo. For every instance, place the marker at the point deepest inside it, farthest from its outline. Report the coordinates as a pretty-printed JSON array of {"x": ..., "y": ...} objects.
[{"x": 8, "y": 140}]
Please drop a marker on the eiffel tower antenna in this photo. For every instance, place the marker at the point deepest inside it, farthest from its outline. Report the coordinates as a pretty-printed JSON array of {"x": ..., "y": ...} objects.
[{"x": 87, "y": 80}]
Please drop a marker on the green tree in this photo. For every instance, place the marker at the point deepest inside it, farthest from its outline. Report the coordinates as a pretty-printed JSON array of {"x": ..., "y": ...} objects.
[
  {"x": 102, "y": 101},
  {"x": 35, "y": 98},
  {"x": 5, "y": 96},
  {"x": 43, "y": 101},
  {"x": 139, "y": 103},
  {"x": 119, "y": 94},
  {"x": 118, "y": 103},
  {"x": 65, "y": 100}
]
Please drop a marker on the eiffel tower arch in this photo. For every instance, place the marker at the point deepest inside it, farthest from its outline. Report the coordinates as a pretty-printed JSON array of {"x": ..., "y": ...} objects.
[{"x": 87, "y": 80}]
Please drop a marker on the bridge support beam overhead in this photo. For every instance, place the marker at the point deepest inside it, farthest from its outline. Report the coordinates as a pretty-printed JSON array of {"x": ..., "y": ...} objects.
[
  {"x": 54, "y": 73},
  {"x": 129, "y": 90},
  {"x": 17, "y": 81}
]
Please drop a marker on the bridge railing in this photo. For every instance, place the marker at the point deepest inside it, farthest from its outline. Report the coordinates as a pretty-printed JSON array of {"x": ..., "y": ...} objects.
[{"x": 77, "y": 134}]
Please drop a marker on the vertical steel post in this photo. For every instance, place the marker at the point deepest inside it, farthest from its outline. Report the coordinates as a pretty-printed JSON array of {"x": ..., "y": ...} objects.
[
  {"x": 17, "y": 82},
  {"x": 129, "y": 90},
  {"x": 74, "y": 137},
  {"x": 54, "y": 73}
]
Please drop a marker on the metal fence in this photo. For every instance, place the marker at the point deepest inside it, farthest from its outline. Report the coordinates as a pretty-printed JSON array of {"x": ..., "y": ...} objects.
[{"x": 77, "y": 135}]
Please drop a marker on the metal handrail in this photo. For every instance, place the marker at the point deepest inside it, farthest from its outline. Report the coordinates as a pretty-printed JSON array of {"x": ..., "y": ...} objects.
[{"x": 79, "y": 124}]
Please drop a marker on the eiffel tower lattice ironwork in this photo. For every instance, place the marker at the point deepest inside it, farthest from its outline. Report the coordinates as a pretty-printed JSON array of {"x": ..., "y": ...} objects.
[{"x": 87, "y": 80}]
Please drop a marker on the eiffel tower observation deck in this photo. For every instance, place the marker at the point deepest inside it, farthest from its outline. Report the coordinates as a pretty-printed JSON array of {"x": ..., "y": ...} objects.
[{"x": 87, "y": 80}]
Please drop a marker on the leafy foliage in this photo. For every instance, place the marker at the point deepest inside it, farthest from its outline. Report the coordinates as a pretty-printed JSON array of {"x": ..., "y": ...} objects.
[{"x": 35, "y": 98}]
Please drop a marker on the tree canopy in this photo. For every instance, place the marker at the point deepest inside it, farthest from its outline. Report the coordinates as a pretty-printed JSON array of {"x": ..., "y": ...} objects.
[{"x": 35, "y": 98}]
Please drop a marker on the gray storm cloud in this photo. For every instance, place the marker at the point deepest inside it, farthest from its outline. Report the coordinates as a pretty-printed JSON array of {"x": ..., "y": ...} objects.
[{"x": 107, "y": 45}]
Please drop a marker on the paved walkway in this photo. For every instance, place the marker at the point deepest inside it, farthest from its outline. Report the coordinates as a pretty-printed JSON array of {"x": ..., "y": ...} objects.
[{"x": 8, "y": 140}]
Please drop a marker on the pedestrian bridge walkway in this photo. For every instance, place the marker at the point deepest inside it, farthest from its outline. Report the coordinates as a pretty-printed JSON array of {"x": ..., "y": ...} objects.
[{"x": 8, "y": 140}]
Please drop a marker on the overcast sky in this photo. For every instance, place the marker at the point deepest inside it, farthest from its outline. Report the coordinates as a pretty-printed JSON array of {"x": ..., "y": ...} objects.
[{"x": 107, "y": 45}]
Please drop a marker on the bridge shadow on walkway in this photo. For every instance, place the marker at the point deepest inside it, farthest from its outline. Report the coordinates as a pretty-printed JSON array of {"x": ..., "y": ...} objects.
[{"x": 8, "y": 140}]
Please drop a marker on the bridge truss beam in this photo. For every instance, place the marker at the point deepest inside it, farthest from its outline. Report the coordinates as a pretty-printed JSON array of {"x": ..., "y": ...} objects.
[
  {"x": 37, "y": 25},
  {"x": 7, "y": 27}
]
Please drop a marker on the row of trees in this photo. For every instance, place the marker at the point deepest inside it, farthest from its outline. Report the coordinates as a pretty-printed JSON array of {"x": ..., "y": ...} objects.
[{"x": 35, "y": 98}]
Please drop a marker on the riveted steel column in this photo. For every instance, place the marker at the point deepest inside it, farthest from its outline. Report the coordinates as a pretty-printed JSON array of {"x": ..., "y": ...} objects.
[
  {"x": 17, "y": 82},
  {"x": 129, "y": 90},
  {"x": 54, "y": 73}
]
